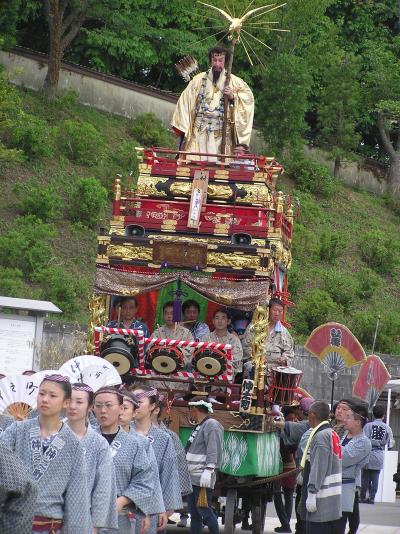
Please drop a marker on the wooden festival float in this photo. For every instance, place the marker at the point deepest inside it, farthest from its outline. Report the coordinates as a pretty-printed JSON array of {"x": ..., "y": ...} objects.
[{"x": 220, "y": 232}]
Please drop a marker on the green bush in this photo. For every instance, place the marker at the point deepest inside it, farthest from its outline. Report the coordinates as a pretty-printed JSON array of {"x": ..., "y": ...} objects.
[
  {"x": 11, "y": 282},
  {"x": 312, "y": 177},
  {"x": 34, "y": 136},
  {"x": 81, "y": 142},
  {"x": 25, "y": 245},
  {"x": 149, "y": 131},
  {"x": 61, "y": 288},
  {"x": 329, "y": 246},
  {"x": 388, "y": 338},
  {"x": 316, "y": 308},
  {"x": 36, "y": 199},
  {"x": 379, "y": 251},
  {"x": 341, "y": 286},
  {"x": 368, "y": 283},
  {"x": 305, "y": 243},
  {"x": 88, "y": 201}
]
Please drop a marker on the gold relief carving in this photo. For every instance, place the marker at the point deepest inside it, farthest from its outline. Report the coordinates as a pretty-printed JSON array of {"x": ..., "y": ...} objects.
[
  {"x": 147, "y": 186},
  {"x": 260, "y": 329},
  {"x": 219, "y": 191},
  {"x": 130, "y": 253},
  {"x": 223, "y": 173},
  {"x": 183, "y": 171},
  {"x": 236, "y": 261},
  {"x": 131, "y": 292},
  {"x": 257, "y": 193},
  {"x": 181, "y": 188},
  {"x": 191, "y": 239},
  {"x": 97, "y": 317},
  {"x": 117, "y": 231}
]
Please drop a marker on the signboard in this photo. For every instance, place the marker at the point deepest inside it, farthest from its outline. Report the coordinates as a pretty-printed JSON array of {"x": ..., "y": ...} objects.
[{"x": 17, "y": 337}]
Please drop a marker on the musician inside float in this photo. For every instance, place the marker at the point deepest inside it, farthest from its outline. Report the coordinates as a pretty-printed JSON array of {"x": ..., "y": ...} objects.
[
  {"x": 279, "y": 344},
  {"x": 174, "y": 330},
  {"x": 127, "y": 308},
  {"x": 191, "y": 312},
  {"x": 221, "y": 334}
]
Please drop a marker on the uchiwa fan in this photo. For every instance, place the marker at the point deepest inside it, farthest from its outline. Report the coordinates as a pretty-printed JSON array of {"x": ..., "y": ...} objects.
[
  {"x": 371, "y": 379},
  {"x": 18, "y": 395},
  {"x": 91, "y": 370},
  {"x": 187, "y": 67},
  {"x": 336, "y": 348}
]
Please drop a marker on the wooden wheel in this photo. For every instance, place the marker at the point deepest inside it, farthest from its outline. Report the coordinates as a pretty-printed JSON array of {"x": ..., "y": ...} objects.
[
  {"x": 230, "y": 511},
  {"x": 258, "y": 510}
]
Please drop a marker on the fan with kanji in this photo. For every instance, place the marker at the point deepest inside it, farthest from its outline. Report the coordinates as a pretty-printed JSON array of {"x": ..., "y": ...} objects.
[
  {"x": 18, "y": 395},
  {"x": 336, "y": 348},
  {"x": 91, "y": 370}
]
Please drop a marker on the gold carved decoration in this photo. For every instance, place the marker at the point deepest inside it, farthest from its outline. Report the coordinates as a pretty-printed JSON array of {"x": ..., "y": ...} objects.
[
  {"x": 130, "y": 253},
  {"x": 260, "y": 330},
  {"x": 97, "y": 317},
  {"x": 147, "y": 186},
  {"x": 236, "y": 261},
  {"x": 183, "y": 189}
]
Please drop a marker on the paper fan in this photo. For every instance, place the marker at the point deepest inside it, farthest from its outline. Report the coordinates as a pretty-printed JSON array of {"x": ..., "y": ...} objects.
[
  {"x": 18, "y": 394},
  {"x": 335, "y": 346},
  {"x": 91, "y": 370},
  {"x": 371, "y": 380}
]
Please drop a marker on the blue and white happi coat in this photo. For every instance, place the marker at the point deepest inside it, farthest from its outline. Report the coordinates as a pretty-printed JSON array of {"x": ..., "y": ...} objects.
[
  {"x": 184, "y": 478},
  {"x": 5, "y": 421},
  {"x": 59, "y": 472},
  {"x": 134, "y": 475},
  {"x": 101, "y": 480},
  {"x": 165, "y": 454}
]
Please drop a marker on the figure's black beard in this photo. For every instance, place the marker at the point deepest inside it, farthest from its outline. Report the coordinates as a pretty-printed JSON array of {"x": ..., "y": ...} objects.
[{"x": 216, "y": 74}]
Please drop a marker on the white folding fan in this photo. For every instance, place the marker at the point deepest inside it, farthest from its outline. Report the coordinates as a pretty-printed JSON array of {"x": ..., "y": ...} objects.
[
  {"x": 91, "y": 370},
  {"x": 18, "y": 394}
]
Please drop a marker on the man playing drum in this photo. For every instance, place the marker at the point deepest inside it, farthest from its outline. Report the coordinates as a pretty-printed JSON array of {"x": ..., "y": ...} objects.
[
  {"x": 221, "y": 320},
  {"x": 172, "y": 330},
  {"x": 278, "y": 345}
]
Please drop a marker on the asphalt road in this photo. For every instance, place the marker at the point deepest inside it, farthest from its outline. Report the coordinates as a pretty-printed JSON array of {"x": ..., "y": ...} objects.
[{"x": 375, "y": 519}]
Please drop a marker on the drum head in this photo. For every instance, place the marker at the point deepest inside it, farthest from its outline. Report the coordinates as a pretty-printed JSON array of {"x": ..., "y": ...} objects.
[
  {"x": 122, "y": 363},
  {"x": 164, "y": 364},
  {"x": 208, "y": 362}
]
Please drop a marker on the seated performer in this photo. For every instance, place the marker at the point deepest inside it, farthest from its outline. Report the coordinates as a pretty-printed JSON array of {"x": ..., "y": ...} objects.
[
  {"x": 172, "y": 330},
  {"x": 191, "y": 311},
  {"x": 221, "y": 320},
  {"x": 278, "y": 345},
  {"x": 199, "y": 113},
  {"x": 127, "y": 308}
]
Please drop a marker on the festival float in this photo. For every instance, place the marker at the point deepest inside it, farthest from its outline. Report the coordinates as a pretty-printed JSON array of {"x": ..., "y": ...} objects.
[{"x": 216, "y": 228}]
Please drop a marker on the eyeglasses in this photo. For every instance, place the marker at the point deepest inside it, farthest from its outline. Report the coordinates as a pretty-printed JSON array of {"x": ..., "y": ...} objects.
[{"x": 106, "y": 405}]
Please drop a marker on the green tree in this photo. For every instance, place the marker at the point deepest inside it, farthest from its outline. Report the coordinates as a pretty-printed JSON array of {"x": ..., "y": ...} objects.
[
  {"x": 283, "y": 102},
  {"x": 338, "y": 107}
]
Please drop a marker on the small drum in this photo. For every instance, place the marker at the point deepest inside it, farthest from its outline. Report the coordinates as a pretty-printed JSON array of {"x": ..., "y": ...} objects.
[
  {"x": 284, "y": 384},
  {"x": 121, "y": 351},
  {"x": 165, "y": 360},
  {"x": 209, "y": 362}
]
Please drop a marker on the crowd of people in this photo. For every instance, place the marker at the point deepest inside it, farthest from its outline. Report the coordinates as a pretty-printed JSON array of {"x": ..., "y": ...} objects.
[
  {"x": 101, "y": 462},
  {"x": 279, "y": 346},
  {"x": 336, "y": 451}
]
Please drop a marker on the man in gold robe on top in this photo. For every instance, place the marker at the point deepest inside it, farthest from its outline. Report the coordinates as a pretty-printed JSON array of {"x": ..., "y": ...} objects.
[{"x": 199, "y": 113}]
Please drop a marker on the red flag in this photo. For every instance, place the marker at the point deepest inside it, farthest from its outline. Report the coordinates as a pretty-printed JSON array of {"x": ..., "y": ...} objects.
[{"x": 372, "y": 378}]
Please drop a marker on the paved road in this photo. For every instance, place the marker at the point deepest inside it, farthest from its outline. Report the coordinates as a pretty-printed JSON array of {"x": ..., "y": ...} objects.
[{"x": 375, "y": 519}]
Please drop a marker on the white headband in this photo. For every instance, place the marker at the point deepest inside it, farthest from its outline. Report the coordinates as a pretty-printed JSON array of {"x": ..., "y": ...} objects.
[{"x": 202, "y": 402}]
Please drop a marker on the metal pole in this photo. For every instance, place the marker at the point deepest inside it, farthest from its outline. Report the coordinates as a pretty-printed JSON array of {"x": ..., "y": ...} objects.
[
  {"x": 376, "y": 330},
  {"x": 332, "y": 393}
]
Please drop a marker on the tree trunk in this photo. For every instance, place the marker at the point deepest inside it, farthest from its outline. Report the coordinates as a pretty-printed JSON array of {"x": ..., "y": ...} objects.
[
  {"x": 394, "y": 176},
  {"x": 55, "y": 50},
  {"x": 336, "y": 167}
]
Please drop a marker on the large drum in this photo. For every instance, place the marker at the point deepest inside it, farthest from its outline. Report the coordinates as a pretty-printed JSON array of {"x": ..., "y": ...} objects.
[
  {"x": 209, "y": 362},
  {"x": 121, "y": 351},
  {"x": 283, "y": 388},
  {"x": 165, "y": 360}
]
